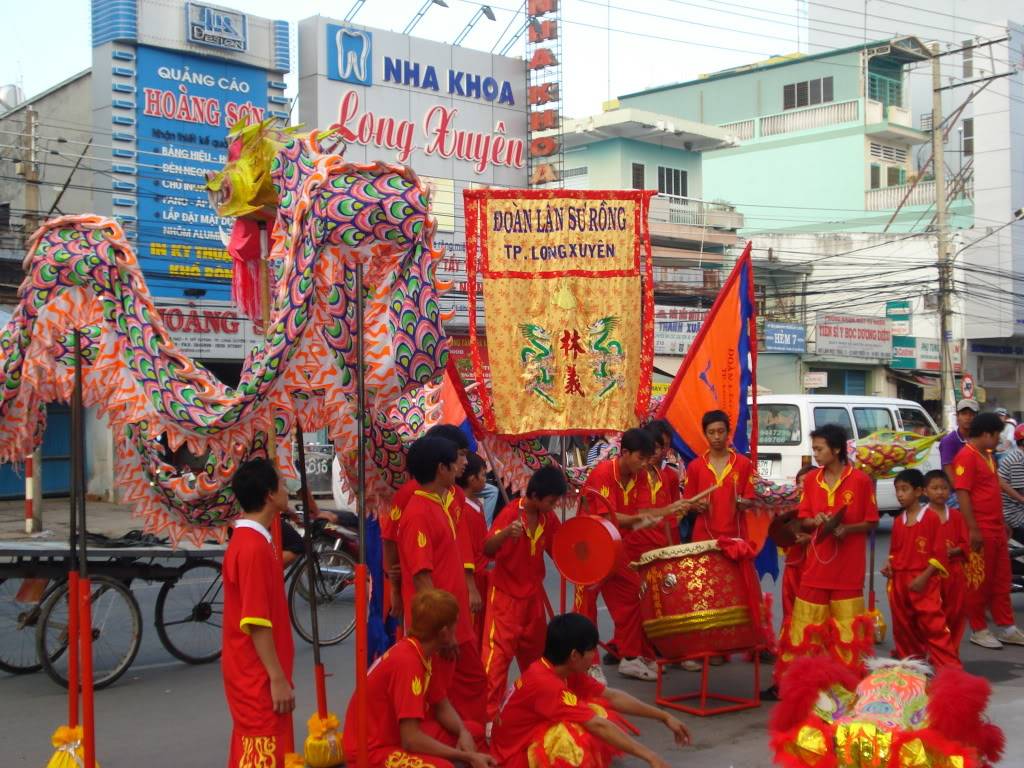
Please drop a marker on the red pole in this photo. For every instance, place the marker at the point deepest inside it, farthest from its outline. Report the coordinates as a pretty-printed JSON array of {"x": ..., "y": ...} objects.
[
  {"x": 88, "y": 715},
  {"x": 321, "y": 690},
  {"x": 73, "y": 640},
  {"x": 363, "y": 758},
  {"x": 28, "y": 494}
]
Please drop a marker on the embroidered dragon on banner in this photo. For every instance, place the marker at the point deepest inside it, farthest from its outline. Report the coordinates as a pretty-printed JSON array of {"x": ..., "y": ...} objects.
[{"x": 329, "y": 215}]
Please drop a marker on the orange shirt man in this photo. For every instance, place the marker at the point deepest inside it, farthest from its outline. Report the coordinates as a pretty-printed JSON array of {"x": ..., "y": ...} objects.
[
  {"x": 257, "y": 635},
  {"x": 728, "y": 473},
  {"x": 515, "y": 620},
  {"x": 409, "y": 718}
]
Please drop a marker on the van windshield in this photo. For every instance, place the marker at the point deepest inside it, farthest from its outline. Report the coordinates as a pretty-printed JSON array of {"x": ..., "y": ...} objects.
[{"x": 778, "y": 425}]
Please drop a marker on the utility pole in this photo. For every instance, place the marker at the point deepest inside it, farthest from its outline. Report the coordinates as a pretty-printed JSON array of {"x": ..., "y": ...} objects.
[
  {"x": 944, "y": 261},
  {"x": 30, "y": 171}
]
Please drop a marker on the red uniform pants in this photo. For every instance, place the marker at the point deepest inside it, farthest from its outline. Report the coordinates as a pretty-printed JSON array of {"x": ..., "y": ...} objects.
[
  {"x": 621, "y": 592},
  {"x": 514, "y": 628},
  {"x": 954, "y": 595},
  {"x": 396, "y": 756},
  {"x": 468, "y": 682},
  {"x": 265, "y": 750},
  {"x": 988, "y": 582},
  {"x": 918, "y": 622},
  {"x": 790, "y": 587}
]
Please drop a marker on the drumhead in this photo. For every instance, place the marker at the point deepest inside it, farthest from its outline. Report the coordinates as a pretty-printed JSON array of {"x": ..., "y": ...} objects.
[
  {"x": 679, "y": 550},
  {"x": 585, "y": 549}
]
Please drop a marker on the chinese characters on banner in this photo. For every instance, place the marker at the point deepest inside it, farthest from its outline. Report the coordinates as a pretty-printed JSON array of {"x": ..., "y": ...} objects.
[{"x": 566, "y": 279}]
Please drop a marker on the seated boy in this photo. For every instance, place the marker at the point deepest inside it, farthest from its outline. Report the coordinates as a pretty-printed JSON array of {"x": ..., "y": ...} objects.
[
  {"x": 409, "y": 718},
  {"x": 557, "y": 708},
  {"x": 514, "y": 622}
]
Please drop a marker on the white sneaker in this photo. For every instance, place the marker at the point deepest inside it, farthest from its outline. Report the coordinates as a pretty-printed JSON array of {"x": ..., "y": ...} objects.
[
  {"x": 692, "y": 666},
  {"x": 1009, "y": 635},
  {"x": 986, "y": 639},
  {"x": 637, "y": 669},
  {"x": 651, "y": 665},
  {"x": 598, "y": 674}
]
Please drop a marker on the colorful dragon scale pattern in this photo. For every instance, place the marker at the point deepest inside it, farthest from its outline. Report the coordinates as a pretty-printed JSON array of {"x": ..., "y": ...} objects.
[{"x": 82, "y": 274}]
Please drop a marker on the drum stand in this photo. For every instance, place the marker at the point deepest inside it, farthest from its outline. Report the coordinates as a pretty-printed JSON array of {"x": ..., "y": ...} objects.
[{"x": 703, "y": 696}]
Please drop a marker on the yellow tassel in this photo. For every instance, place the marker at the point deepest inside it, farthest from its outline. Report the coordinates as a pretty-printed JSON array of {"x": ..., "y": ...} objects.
[
  {"x": 323, "y": 744},
  {"x": 880, "y": 626},
  {"x": 292, "y": 760},
  {"x": 70, "y": 751}
]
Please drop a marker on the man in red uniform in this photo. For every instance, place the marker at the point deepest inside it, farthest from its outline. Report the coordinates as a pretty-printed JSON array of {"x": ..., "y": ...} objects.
[
  {"x": 663, "y": 485},
  {"x": 556, "y": 709},
  {"x": 471, "y": 482},
  {"x": 988, "y": 567},
  {"x": 728, "y": 473},
  {"x": 614, "y": 488},
  {"x": 829, "y": 615},
  {"x": 257, "y": 635},
  {"x": 515, "y": 620},
  {"x": 430, "y": 557},
  {"x": 915, "y": 569},
  {"x": 954, "y": 537},
  {"x": 410, "y": 721}
]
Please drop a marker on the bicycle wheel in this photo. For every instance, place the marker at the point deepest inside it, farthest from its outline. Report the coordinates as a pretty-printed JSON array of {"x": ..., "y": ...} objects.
[
  {"x": 335, "y": 575},
  {"x": 20, "y": 601},
  {"x": 116, "y": 632},
  {"x": 190, "y": 612}
]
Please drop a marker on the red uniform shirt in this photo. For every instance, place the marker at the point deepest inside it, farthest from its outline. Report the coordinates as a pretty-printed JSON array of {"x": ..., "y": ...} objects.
[
  {"x": 833, "y": 564},
  {"x": 657, "y": 488},
  {"x": 476, "y": 526},
  {"x": 427, "y": 541},
  {"x": 954, "y": 536},
  {"x": 539, "y": 697},
  {"x": 605, "y": 493},
  {"x": 976, "y": 474},
  {"x": 723, "y": 516},
  {"x": 519, "y": 563},
  {"x": 253, "y": 596},
  {"x": 389, "y": 522},
  {"x": 911, "y": 547},
  {"x": 399, "y": 686}
]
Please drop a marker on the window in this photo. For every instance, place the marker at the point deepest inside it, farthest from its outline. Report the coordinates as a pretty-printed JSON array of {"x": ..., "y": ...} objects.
[
  {"x": 871, "y": 420},
  {"x": 442, "y": 202},
  {"x": 915, "y": 420},
  {"x": 833, "y": 415},
  {"x": 807, "y": 93},
  {"x": 968, "y": 59},
  {"x": 895, "y": 176},
  {"x": 876, "y": 176},
  {"x": 671, "y": 181},
  {"x": 887, "y": 90},
  {"x": 639, "y": 181},
  {"x": 888, "y": 152},
  {"x": 778, "y": 425},
  {"x": 968, "y": 136},
  {"x": 926, "y": 121}
]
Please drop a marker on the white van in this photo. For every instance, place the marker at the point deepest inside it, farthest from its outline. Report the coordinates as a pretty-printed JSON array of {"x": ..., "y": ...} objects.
[{"x": 785, "y": 423}]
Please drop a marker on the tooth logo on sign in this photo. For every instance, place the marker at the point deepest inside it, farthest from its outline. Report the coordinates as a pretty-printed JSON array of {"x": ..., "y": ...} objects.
[{"x": 349, "y": 55}]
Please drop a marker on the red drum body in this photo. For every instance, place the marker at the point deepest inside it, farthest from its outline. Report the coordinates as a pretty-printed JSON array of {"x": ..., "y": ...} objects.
[{"x": 693, "y": 600}]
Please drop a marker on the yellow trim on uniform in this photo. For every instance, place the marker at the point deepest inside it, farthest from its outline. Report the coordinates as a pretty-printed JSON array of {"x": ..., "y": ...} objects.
[
  {"x": 255, "y": 621},
  {"x": 938, "y": 567}
]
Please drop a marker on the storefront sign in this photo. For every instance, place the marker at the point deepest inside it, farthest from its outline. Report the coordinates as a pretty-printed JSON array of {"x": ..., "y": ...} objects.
[
  {"x": 675, "y": 328},
  {"x": 208, "y": 330},
  {"x": 187, "y": 104},
  {"x": 459, "y": 352},
  {"x": 545, "y": 90},
  {"x": 916, "y": 354},
  {"x": 898, "y": 313},
  {"x": 816, "y": 380},
  {"x": 858, "y": 336},
  {"x": 217, "y": 27},
  {"x": 785, "y": 337}
]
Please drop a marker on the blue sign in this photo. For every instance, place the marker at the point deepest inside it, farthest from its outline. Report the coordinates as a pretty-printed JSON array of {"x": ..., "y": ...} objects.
[
  {"x": 784, "y": 337},
  {"x": 186, "y": 106},
  {"x": 216, "y": 27},
  {"x": 349, "y": 55}
]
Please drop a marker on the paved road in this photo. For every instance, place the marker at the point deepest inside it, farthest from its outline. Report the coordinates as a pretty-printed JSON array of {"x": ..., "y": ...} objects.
[{"x": 165, "y": 714}]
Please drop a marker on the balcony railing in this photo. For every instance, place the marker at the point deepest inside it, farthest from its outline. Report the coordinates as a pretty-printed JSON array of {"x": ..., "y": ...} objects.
[
  {"x": 808, "y": 119},
  {"x": 689, "y": 211},
  {"x": 742, "y": 130},
  {"x": 877, "y": 112},
  {"x": 923, "y": 194}
]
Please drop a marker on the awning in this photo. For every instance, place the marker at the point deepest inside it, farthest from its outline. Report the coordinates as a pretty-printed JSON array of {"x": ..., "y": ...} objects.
[{"x": 929, "y": 384}]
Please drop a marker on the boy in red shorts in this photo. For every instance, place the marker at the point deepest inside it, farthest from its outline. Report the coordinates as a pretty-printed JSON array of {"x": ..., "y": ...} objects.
[
  {"x": 515, "y": 621},
  {"x": 410, "y": 721},
  {"x": 257, "y": 635},
  {"x": 556, "y": 708}
]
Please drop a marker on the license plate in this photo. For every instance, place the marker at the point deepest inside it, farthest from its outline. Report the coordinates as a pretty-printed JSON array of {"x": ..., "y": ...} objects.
[{"x": 764, "y": 467}]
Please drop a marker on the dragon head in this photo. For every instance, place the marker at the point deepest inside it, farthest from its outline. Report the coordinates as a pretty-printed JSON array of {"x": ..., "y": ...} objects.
[
  {"x": 533, "y": 331},
  {"x": 602, "y": 325},
  {"x": 243, "y": 186}
]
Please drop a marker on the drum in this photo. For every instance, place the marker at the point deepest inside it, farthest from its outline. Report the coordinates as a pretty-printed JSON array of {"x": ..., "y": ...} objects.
[
  {"x": 585, "y": 549},
  {"x": 693, "y": 599}
]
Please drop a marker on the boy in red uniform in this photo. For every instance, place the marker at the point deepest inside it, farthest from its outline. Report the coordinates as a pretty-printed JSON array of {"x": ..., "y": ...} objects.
[
  {"x": 410, "y": 721},
  {"x": 988, "y": 566},
  {"x": 829, "y": 615},
  {"x": 430, "y": 557},
  {"x": 663, "y": 484},
  {"x": 914, "y": 571},
  {"x": 515, "y": 621},
  {"x": 556, "y": 709},
  {"x": 257, "y": 635},
  {"x": 728, "y": 473},
  {"x": 471, "y": 482},
  {"x": 614, "y": 488},
  {"x": 954, "y": 537},
  {"x": 796, "y": 555}
]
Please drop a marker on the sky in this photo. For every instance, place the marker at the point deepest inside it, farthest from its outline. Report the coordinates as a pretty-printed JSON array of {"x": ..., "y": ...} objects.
[{"x": 651, "y": 42}]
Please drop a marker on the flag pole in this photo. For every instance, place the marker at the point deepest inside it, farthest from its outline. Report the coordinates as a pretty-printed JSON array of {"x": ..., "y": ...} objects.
[{"x": 362, "y": 723}]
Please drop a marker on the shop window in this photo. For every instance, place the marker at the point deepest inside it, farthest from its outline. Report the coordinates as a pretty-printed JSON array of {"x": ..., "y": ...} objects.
[{"x": 639, "y": 179}]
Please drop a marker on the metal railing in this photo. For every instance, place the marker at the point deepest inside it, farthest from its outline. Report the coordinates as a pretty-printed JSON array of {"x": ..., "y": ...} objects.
[
  {"x": 742, "y": 130},
  {"x": 923, "y": 194},
  {"x": 689, "y": 211},
  {"x": 793, "y": 120}
]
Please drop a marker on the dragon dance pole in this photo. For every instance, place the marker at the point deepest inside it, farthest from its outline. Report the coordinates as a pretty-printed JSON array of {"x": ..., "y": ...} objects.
[
  {"x": 74, "y": 687},
  {"x": 307, "y": 540},
  {"x": 362, "y": 726},
  {"x": 264, "y": 277}
]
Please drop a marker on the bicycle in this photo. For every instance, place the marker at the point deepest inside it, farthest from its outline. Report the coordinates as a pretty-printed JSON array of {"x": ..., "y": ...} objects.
[{"x": 334, "y": 569}]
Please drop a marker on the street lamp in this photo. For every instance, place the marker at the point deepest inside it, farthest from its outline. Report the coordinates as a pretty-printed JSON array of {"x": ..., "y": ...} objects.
[
  {"x": 483, "y": 10},
  {"x": 421, "y": 13}
]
